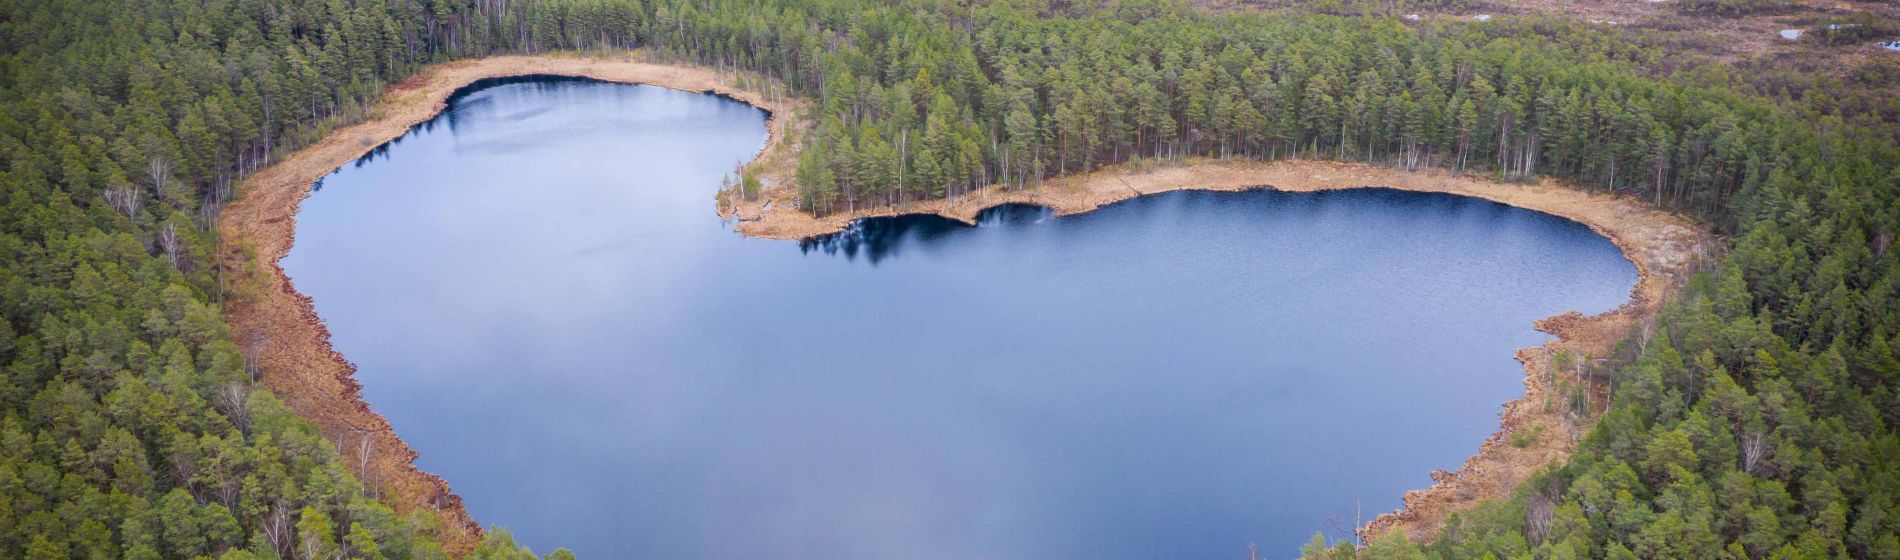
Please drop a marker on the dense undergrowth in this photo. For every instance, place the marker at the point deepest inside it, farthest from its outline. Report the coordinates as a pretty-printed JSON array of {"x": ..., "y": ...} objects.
[{"x": 1755, "y": 419}]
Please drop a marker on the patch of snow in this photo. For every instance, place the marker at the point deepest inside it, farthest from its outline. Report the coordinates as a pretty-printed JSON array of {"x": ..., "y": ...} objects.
[
  {"x": 1791, "y": 34},
  {"x": 1835, "y": 26},
  {"x": 1890, "y": 45},
  {"x": 1482, "y": 17},
  {"x": 1412, "y": 17}
]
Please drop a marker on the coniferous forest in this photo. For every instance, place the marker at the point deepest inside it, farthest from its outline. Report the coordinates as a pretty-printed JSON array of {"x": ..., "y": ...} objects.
[{"x": 1759, "y": 418}]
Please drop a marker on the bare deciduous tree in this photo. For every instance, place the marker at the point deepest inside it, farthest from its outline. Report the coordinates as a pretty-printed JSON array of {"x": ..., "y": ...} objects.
[
  {"x": 233, "y": 400},
  {"x": 127, "y": 200},
  {"x": 185, "y": 467},
  {"x": 158, "y": 174},
  {"x": 276, "y": 528},
  {"x": 169, "y": 242},
  {"x": 254, "y": 343},
  {"x": 209, "y": 210},
  {"x": 363, "y": 452},
  {"x": 1754, "y": 448}
]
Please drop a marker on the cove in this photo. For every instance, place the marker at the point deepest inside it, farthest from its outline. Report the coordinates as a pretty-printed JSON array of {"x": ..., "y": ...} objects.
[{"x": 540, "y": 299}]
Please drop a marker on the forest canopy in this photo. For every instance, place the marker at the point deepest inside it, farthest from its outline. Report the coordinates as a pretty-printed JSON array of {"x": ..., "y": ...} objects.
[{"x": 1755, "y": 420}]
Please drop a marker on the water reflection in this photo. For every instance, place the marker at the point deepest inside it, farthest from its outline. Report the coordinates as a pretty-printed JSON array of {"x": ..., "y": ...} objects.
[
  {"x": 541, "y": 300},
  {"x": 884, "y": 237}
]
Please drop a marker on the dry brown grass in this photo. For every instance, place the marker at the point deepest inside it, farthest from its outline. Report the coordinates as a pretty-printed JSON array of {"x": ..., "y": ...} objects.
[
  {"x": 1664, "y": 247},
  {"x": 290, "y": 342},
  {"x": 280, "y": 329}
]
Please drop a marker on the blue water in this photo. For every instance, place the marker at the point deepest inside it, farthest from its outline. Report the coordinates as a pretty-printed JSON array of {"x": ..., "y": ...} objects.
[{"x": 542, "y": 301}]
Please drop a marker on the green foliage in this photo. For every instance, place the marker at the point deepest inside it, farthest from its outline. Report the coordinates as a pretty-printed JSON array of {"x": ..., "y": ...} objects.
[
  {"x": 1730, "y": 7},
  {"x": 1858, "y": 27},
  {"x": 130, "y": 426},
  {"x": 1527, "y": 437},
  {"x": 933, "y": 100},
  {"x": 748, "y": 184},
  {"x": 499, "y": 544},
  {"x": 1757, "y": 422}
]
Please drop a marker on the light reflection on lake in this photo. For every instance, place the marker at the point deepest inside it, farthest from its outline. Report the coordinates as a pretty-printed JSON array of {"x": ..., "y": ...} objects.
[{"x": 540, "y": 299}]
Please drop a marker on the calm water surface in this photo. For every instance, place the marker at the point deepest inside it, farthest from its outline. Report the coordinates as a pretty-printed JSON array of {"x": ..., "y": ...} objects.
[{"x": 541, "y": 300}]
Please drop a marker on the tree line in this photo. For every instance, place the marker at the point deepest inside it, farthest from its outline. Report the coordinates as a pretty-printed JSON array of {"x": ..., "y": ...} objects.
[
  {"x": 931, "y": 99},
  {"x": 1755, "y": 420},
  {"x": 131, "y": 425}
]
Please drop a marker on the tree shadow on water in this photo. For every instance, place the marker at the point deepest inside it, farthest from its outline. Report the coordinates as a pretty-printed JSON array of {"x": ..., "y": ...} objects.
[{"x": 878, "y": 239}]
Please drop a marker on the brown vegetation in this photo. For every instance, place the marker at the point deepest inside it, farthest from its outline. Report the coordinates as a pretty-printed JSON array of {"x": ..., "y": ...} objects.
[
  {"x": 285, "y": 337},
  {"x": 1749, "y": 38},
  {"x": 1664, "y": 247},
  {"x": 280, "y": 329}
]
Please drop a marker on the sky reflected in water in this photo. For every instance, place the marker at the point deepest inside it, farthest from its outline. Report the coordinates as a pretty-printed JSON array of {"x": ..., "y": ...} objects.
[{"x": 541, "y": 300}]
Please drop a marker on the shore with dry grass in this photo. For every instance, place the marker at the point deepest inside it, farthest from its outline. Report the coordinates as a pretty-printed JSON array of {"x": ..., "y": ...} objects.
[
  {"x": 282, "y": 333},
  {"x": 1664, "y": 247},
  {"x": 279, "y": 328}
]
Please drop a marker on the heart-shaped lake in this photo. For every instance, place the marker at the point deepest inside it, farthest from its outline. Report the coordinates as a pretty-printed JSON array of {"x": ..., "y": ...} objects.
[{"x": 540, "y": 299}]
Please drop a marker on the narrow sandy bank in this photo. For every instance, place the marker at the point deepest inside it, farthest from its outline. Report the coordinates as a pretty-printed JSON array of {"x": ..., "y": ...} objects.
[
  {"x": 280, "y": 330},
  {"x": 1664, "y": 247}
]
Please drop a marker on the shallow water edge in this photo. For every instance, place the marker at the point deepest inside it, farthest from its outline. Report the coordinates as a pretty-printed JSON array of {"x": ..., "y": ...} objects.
[{"x": 280, "y": 330}]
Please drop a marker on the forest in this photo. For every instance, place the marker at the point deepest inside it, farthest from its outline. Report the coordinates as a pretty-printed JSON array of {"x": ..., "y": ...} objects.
[{"x": 1755, "y": 420}]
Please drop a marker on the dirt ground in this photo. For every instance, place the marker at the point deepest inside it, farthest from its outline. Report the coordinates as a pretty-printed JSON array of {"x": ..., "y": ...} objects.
[
  {"x": 1725, "y": 38},
  {"x": 279, "y": 328},
  {"x": 1746, "y": 38},
  {"x": 282, "y": 333}
]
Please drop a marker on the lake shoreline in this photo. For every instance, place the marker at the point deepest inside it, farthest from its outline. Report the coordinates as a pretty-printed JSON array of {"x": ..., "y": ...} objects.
[
  {"x": 281, "y": 332},
  {"x": 278, "y": 327},
  {"x": 1665, "y": 248}
]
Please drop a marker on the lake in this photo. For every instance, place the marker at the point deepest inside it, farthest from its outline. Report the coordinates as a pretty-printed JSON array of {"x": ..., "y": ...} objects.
[{"x": 542, "y": 301}]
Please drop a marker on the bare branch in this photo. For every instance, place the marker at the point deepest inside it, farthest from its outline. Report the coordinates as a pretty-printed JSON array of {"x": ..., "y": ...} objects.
[
  {"x": 1754, "y": 449},
  {"x": 125, "y": 199},
  {"x": 234, "y": 401},
  {"x": 169, "y": 242}
]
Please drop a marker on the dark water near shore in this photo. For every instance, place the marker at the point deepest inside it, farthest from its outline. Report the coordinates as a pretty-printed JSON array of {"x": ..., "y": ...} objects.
[{"x": 541, "y": 300}]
